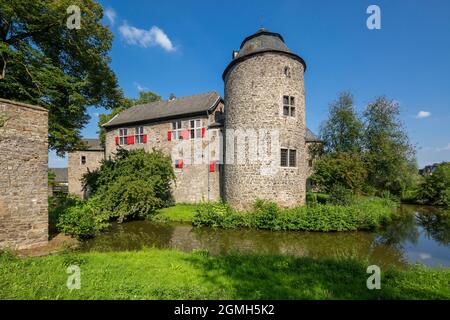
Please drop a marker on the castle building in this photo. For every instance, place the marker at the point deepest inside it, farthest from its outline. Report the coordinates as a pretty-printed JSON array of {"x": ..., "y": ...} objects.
[{"x": 253, "y": 143}]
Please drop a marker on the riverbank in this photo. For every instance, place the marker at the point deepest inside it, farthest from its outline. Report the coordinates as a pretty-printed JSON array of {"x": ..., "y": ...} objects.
[
  {"x": 363, "y": 213},
  {"x": 171, "y": 274}
]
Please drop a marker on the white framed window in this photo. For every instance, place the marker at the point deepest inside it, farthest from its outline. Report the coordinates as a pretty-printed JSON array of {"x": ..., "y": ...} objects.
[
  {"x": 289, "y": 106},
  {"x": 195, "y": 128},
  {"x": 139, "y": 135},
  {"x": 176, "y": 130},
  {"x": 288, "y": 158},
  {"x": 123, "y": 136}
]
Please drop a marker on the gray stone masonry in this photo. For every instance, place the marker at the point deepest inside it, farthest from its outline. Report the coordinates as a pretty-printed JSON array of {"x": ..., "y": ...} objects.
[{"x": 23, "y": 175}]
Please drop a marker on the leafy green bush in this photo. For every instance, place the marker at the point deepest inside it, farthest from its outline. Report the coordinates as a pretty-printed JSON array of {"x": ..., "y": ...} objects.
[
  {"x": 316, "y": 197},
  {"x": 343, "y": 169},
  {"x": 339, "y": 195},
  {"x": 132, "y": 186},
  {"x": 57, "y": 206},
  {"x": 265, "y": 214},
  {"x": 217, "y": 214},
  {"x": 153, "y": 167},
  {"x": 82, "y": 221},
  {"x": 128, "y": 199},
  {"x": 363, "y": 213}
]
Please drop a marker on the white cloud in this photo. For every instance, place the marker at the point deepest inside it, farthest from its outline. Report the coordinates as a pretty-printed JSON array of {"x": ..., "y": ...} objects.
[
  {"x": 146, "y": 38},
  {"x": 423, "y": 114},
  {"x": 111, "y": 15},
  {"x": 447, "y": 147}
]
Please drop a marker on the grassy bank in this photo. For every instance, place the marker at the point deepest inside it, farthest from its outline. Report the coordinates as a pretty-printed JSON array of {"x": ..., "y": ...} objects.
[
  {"x": 167, "y": 274},
  {"x": 361, "y": 214},
  {"x": 181, "y": 212}
]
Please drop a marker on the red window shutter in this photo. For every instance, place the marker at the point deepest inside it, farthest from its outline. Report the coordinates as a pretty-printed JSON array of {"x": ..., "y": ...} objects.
[
  {"x": 145, "y": 138},
  {"x": 179, "y": 164},
  {"x": 117, "y": 141},
  {"x": 185, "y": 134},
  {"x": 169, "y": 135},
  {"x": 212, "y": 166},
  {"x": 203, "y": 132},
  {"x": 130, "y": 140}
]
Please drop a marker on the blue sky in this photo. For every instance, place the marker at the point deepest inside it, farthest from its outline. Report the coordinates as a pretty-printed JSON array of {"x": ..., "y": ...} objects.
[{"x": 184, "y": 46}]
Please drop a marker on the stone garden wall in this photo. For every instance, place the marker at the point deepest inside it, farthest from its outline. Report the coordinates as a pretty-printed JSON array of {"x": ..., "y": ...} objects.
[{"x": 23, "y": 175}]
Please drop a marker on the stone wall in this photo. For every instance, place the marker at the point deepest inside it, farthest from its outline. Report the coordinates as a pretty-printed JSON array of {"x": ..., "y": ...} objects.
[
  {"x": 23, "y": 175},
  {"x": 194, "y": 182},
  {"x": 254, "y": 90},
  {"x": 77, "y": 169}
]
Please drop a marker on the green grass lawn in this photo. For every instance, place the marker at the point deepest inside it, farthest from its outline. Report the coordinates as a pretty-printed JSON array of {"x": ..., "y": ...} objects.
[
  {"x": 169, "y": 274},
  {"x": 177, "y": 213}
]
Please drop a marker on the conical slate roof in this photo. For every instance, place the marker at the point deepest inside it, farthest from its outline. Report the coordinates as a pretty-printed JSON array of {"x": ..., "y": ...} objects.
[{"x": 260, "y": 42}]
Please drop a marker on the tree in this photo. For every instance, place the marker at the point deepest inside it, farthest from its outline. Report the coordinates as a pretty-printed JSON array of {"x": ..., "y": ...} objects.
[
  {"x": 435, "y": 190},
  {"x": 389, "y": 157},
  {"x": 65, "y": 70},
  {"x": 340, "y": 170},
  {"x": 126, "y": 103},
  {"x": 342, "y": 131}
]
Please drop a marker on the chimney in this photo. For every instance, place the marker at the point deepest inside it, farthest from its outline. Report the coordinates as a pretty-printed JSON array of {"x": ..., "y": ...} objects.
[{"x": 172, "y": 97}]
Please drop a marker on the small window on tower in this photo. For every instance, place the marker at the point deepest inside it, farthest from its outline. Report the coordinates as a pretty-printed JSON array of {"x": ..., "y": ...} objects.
[
  {"x": 284, "y": 158},
  {"x": 288, "y": 158},
  {"x": 83, "y": 160},
  {"x": 287, "y": 71},
  {"x": 288, "y": 106}
]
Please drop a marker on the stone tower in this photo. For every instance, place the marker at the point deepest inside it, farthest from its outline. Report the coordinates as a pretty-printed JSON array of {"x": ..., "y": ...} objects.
[{"x": 264, "y": 96}]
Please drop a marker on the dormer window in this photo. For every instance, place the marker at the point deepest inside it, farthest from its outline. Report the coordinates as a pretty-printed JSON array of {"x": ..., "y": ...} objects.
[{"x": 289, "y": 106}]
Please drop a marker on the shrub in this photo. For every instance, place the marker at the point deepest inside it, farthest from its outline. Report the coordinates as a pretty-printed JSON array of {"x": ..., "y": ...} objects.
[
  {"x": 339, "y": 195},
  {"x": 216, "y": 214},
  {"x": 344, "y": 169},
  {"x": 57, "y": 206},
  {"x": 82, "y": 221},
  {"x": 132, "y": 186},
  {"x": 265, "y": 214},
  {"x": 313, "y": 198},
  {"x": 362, "y": 213},
  {"x": 153, "y": 167},
  {"x": 128, "y": 199}
]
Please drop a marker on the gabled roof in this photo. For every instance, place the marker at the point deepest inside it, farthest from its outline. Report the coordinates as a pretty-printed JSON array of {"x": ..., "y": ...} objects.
[
  {"x": 61, "y": 174},
  {"x": 169, "y": 109},
  {"x": 93, "y": 145},
  {"x": 311, "y": 137}
]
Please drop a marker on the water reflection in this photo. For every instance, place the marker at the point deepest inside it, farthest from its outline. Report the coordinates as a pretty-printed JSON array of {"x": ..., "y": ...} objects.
[{"x": 420, "y": 234}]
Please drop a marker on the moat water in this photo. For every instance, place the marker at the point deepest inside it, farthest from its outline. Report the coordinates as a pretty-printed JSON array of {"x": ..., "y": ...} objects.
[{"x": 420, "y": 234}]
